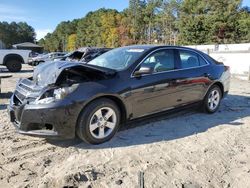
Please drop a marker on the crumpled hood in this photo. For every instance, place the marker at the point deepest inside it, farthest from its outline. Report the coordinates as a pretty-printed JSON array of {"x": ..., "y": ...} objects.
[{"x": 47, "y": 73}]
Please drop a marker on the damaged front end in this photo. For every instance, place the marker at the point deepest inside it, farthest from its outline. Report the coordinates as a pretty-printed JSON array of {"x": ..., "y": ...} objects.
[{"x": 44, "y": 105}]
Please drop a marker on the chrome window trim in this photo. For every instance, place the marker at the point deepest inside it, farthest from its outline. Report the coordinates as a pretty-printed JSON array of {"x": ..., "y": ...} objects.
[{"x": 169, "y": 48}]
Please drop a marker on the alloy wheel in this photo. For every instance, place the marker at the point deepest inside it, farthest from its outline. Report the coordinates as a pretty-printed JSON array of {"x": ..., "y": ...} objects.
[
  {"x": 214, "y": 99},
  {"x": 102, "y": 122}
]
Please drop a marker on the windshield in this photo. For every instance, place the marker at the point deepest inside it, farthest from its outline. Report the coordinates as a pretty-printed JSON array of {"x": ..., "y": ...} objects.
[{"x": 119, "y": 58}]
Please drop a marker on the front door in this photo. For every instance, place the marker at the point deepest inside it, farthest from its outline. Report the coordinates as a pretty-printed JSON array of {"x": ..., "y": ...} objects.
[{"x": 155, "y": 92}]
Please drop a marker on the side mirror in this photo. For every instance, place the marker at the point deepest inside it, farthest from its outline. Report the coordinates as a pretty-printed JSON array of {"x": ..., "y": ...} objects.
[{"x": 143, "y": 70}]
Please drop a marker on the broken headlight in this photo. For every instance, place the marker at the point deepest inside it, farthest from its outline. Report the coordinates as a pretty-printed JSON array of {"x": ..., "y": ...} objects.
[{"x": 55, "y": 94}]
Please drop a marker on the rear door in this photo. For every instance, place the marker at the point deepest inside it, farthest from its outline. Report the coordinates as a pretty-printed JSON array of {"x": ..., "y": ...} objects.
[{"x": 193, "y": 76}]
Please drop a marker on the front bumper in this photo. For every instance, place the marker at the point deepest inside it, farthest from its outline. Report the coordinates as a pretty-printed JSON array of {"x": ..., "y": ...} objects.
[{"x": 48, "y": 121}]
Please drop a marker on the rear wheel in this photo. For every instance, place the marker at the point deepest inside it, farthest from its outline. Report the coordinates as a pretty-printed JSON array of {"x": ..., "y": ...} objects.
[
  {"x": 212, "y": 99},
  {"x": 14, "y": 65},
  {"x": 99, "y": 121}
]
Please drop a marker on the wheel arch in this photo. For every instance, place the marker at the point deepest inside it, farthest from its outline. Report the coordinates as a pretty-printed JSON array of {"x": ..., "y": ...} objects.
[
  {"x": 219, "y": 84},
  {"x": 117, "y": 100},
  {"x": 12, "y": 56}
]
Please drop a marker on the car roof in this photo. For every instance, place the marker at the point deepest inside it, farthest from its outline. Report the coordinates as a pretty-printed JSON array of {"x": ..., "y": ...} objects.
[{"x": 154, "y": 47}]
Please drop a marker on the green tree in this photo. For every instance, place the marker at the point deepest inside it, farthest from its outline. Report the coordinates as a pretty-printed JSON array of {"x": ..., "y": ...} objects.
[
  {"x": 171, "y": 22},
  {"x": 167, "y": 18},
  {"x": 243, "y": 26},
  {"x": 71, "y": 42},
  {"x": 136, "y": 17},
  {"x": 211, "y": 21},
  {"x": 58, "y": 39},
  {"x": 99, "y": 28},
  {"x": 12, "y": 33}
]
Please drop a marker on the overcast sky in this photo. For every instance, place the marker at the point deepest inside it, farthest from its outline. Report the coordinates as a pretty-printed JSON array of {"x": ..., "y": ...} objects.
[{"x": 44, "y": 15}]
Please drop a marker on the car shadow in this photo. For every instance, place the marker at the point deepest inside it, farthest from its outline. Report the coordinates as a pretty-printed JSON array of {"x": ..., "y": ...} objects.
[
  {"x": 167, "y": 127},
  {"x": 26, "y": 71},
  {"x": 5, "y": 70},
  {"x": 4, "y": 100},
  {"x": 3, "y": 106},
  {"x": 5, "y": 95}
]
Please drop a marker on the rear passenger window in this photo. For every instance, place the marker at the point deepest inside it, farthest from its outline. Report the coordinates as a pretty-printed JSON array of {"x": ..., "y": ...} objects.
[
  {"x": 202, "y": 61},
  {"x": 190, "y": 59}
]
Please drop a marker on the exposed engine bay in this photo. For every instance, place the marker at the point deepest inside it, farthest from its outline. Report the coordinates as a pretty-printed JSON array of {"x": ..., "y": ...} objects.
[
  {"x": 59, "y": 73},
  {"x": 79, "y": 74}
]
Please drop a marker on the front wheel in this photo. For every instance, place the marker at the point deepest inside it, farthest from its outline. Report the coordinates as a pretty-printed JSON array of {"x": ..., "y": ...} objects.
[
  {"x": 212, "y": 99},
  {"x": 98, "y": 122}
]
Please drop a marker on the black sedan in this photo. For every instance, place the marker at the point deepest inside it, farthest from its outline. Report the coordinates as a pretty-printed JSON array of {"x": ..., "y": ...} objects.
[{"x": 92, "y": 100}]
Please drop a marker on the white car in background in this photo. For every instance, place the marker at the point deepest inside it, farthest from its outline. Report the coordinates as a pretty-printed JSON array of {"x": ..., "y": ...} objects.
[
  {"x": 46, "y": 57},
  {"x": 13, "y": 59}
]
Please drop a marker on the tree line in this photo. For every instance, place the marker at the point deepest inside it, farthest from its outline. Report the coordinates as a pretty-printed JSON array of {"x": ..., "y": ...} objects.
[
  {"x": 170, "y": 22},
  {"x": 13, "y": 33}
]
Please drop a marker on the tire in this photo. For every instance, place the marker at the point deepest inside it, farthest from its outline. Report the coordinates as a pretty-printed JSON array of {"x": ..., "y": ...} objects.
[
  {"x": 212, "y": 100},
  {"x": 14, "y": 65},
  {"x": 90, "y": 118}
]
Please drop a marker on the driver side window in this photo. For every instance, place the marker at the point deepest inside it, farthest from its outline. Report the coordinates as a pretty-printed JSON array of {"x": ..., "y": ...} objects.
[{"x": 160, "y": 61}]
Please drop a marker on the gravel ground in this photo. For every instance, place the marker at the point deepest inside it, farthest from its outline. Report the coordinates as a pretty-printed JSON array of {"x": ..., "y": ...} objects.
[{"x": 188, "y": 150}]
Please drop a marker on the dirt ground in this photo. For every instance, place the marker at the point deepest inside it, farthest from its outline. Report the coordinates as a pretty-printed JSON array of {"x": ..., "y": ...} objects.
[{"x": 188, "y": 150}]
